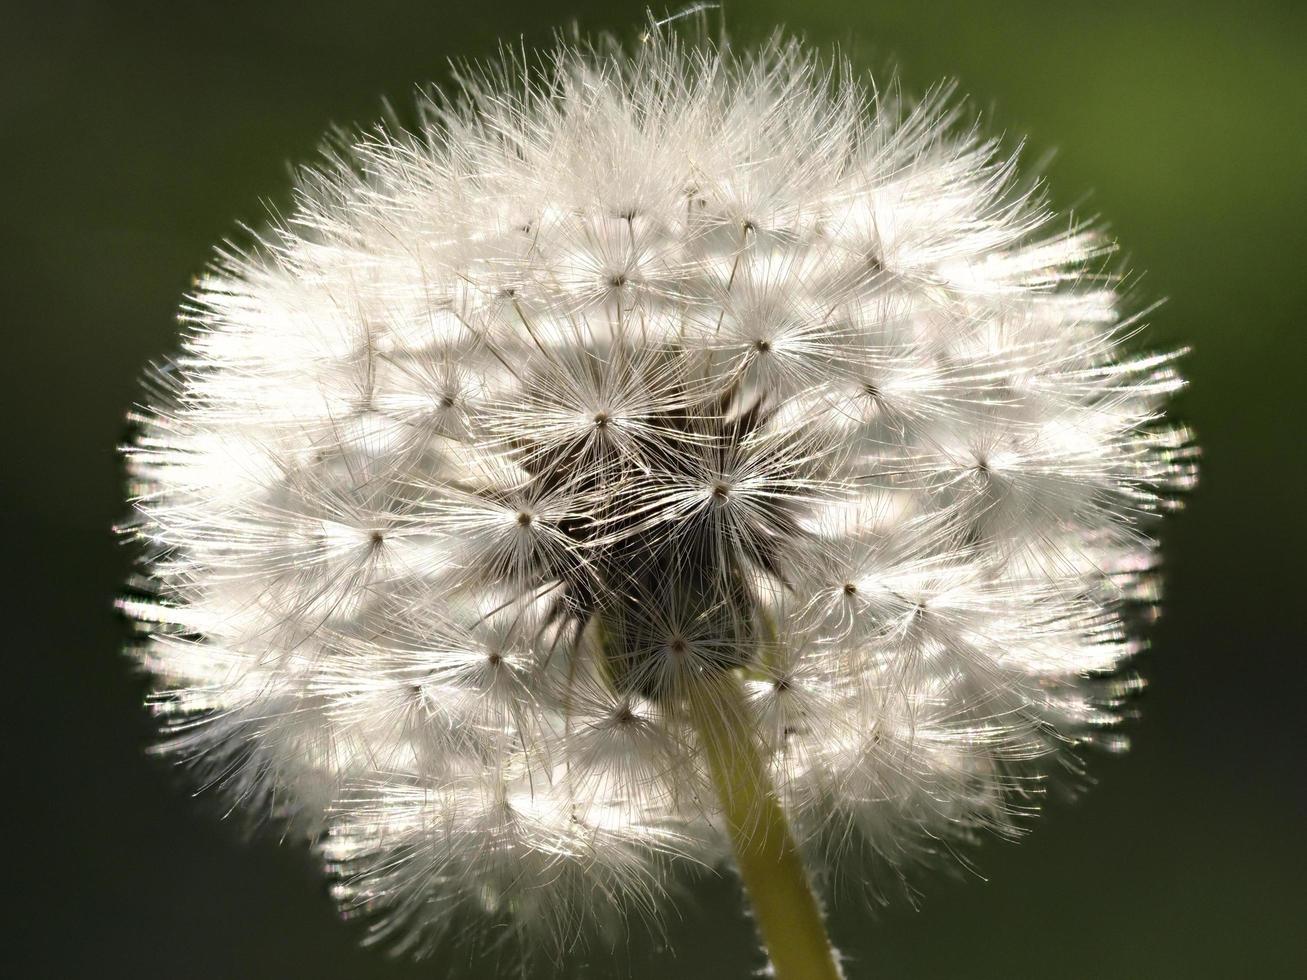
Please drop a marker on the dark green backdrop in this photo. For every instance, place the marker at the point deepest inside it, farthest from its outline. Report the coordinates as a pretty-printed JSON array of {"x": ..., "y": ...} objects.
[{"x": 135, "y": 134}]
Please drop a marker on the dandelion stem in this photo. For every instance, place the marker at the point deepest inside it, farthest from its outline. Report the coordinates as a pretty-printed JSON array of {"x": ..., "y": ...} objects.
[{"x": 789, "y": 920}]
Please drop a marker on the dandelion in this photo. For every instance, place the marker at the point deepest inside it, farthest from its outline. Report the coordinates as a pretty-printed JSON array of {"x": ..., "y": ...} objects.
[{"x": 659, "y": 458}]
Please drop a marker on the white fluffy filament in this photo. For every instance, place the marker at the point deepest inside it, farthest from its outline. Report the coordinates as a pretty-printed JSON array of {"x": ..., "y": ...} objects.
[{"x": 619, "y": 372}]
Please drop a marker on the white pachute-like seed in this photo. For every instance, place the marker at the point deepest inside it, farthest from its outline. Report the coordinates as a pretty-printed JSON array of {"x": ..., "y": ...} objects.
[{"x": 618, "y": 372}]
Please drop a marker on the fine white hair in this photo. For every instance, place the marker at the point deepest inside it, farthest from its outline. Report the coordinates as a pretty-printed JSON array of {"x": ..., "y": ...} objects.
[{"x": 621, "y": 368}]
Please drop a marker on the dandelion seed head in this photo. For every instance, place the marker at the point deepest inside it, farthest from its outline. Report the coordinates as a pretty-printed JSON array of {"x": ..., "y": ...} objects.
[{"x": 621, "y": 370}]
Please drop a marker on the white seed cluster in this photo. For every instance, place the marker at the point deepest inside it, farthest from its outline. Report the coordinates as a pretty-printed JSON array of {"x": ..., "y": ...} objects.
[{"x": 619, "y": 372}]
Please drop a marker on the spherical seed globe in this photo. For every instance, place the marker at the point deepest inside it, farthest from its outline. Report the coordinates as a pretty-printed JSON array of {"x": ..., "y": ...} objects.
[{"x": 628, "y": 379}]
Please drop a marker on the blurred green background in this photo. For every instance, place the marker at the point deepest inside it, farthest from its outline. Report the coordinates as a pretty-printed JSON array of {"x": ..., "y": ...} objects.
[{"x": 137, "y": 134}]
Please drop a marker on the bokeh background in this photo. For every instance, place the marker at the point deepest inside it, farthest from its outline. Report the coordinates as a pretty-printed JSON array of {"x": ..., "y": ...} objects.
[{"x": 135, "y": 135}]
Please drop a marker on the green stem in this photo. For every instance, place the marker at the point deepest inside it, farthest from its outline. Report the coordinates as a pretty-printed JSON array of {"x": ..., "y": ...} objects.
[{"x": 789, "y": 920}]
